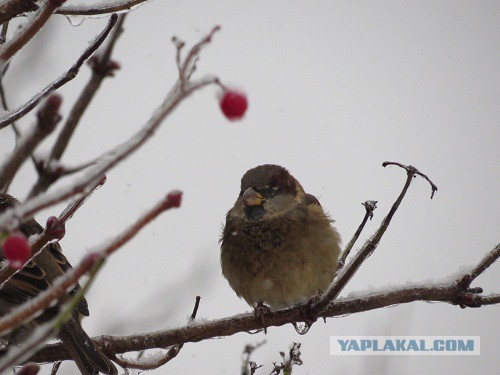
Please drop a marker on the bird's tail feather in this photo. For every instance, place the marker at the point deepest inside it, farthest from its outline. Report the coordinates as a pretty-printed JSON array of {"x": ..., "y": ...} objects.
[{"x": 89, "y": 359}]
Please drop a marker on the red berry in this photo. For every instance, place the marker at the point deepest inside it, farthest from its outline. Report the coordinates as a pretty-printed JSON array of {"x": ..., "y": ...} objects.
[
  {"x": 16, "y": 249},
  {"x": 233, "y": 104}
]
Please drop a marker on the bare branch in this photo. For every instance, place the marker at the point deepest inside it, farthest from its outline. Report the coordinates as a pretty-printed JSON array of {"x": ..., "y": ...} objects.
[
  {"x": 179, "y": 92},
  {"x": 29, "y": 30},
  {"x": 48, "y": 117},
  {"x": 369, "y": 247},
  {"x": 15, "y": 8},
  {"x": 370, "y": 206},
  {"x": 248, "y": 322},
  {"x": 61, "y": 284},
  {"x": 486, "y": 262},
  {"x": 102, "y": 67},
  {"x": 116, "y": 7},
  {"x": 68, "y": 76}
]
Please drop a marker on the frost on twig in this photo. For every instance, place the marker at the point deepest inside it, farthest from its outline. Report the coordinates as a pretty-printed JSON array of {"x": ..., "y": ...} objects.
[
  {"x": 443, "y": 291},
  {"x": 102, "y": 67},
  {"x": 249, "y": 367},
  {"x": 121, "y": 152},
  {"x": 369, "y": 247},
  {"x": 370, "y": 206},
  {"x": 91, "y": 263},
  {"x": 21, "y": 111},
  {"x": 48, "y": 117},
  {"x": 288, "y": 361}
]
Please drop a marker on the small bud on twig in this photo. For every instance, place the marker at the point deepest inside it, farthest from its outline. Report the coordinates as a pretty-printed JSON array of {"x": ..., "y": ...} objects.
[
  {"x": 48, "y": 115},
  {"x": 174, "y": 199},
  {"x": 56, "y": 228}
]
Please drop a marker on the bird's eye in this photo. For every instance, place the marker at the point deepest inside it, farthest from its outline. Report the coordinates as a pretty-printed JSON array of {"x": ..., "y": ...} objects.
[{"x": 269, "y": 191}]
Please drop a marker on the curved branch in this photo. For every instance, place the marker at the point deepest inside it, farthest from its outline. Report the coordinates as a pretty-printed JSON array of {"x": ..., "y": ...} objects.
[
  {"x": 181, "y": 90},
  {"x": 104, "y": 8},
  {"x": 113, "y": 345},
  {"x": 68, "y": 76}
]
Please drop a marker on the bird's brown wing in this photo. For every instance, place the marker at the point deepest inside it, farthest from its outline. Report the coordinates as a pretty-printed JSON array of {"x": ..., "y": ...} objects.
[
  {"x": 28, "y": 282},
  {"x": 310, "y": 199}
]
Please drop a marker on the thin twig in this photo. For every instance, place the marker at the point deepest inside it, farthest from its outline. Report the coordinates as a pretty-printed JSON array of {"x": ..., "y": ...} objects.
[
  {"x": 416, "y": 171},
  {"x": 172, "y": 352},
  {"x": 195, "y": 308},
  {"x": 486, "y": 262},
  {"x": 101, "y": 68},
  {"x": 62, "y": 283},
  {"x": 103, "y": 8},
  {"x": 370, "y": 206},
  {"x": 111, "y": 158},
  {"x": 48, "y": 117},
  {"x": 249, "y": 367},
  {"x": 368, "y": 248},
  {"x": 68, "y": 76}
]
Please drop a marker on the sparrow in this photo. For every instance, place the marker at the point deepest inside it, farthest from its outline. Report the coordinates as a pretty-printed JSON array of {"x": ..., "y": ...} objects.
[
  {"x": 278, "y": 246},
  {"x": 36, "y": 276}
]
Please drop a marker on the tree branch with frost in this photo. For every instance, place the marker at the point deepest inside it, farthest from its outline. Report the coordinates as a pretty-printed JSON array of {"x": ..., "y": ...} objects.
[
  {"x": 47, "y": 118},
  {"x": 447, "y": 292},
  {"x": 24, "y": 109},
  {"x": 157, "y": 361},
  {"x": 369, "y": 247},
  {"x": 28, "y": 30},
  {"x": 182, "y": 89},
  {"x": 92, "y": 263},
  {"x": 15, "y": 8},
  {"x": 456, "y": 292},
  {"x": 102, "y": 67},
  {"x": 370, "y": 206},
  {"x": 55, "y": 230}
]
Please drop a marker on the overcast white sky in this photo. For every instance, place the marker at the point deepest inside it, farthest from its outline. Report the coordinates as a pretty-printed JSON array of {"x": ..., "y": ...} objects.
[{"x": 335, "y": 89}]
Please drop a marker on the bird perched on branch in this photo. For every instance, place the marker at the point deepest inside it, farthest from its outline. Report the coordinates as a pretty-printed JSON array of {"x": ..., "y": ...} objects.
[
  {"x": 278, "y": 246},
  {"x": 35, "y": 277}
]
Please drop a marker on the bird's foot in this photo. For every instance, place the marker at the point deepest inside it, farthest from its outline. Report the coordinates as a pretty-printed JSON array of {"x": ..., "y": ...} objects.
[
  {"x": 308, "y": 314},
  {"x": 260, "y": 312}
]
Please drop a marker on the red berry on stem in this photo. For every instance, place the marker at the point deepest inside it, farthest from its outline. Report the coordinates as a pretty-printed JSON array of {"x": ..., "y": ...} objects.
[
  {"x": 233, "y": 104},
  {"x": 16, "y": 249}
]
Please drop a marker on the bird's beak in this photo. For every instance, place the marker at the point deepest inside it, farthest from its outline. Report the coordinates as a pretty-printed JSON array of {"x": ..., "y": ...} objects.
[{"x": 252, "y": 197}]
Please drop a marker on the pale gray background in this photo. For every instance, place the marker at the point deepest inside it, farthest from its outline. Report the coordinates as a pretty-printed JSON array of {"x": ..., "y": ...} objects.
[{"x": 335, "y": 89}]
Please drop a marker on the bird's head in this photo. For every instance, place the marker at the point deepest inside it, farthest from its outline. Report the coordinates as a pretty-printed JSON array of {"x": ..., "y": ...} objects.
[{"x": 268, "y": 192}]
